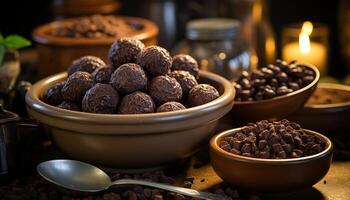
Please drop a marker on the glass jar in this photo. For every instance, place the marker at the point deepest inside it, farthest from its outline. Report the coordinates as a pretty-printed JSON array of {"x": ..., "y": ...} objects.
[{"x": 216, "y": 45}]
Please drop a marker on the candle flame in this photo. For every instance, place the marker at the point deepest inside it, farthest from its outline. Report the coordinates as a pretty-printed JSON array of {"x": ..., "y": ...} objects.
[{"x": 304, "y": 37}]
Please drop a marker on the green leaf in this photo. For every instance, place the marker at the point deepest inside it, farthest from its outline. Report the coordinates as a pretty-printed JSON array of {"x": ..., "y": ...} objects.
[
  {"x": 2, "y": 53},
  {"x": 1, "y": 39},
  {"x": 16, "y": 42}
]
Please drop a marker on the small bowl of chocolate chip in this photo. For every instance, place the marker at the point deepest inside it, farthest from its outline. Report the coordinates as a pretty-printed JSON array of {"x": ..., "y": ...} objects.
[
  {"x": 265, "y": 156},
  {"x": 275, "y": 91}
]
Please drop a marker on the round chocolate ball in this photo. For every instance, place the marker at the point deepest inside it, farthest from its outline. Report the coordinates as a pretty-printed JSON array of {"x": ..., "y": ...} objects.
[
  {"x": 164, "y": 89},
  {"x": 53, "y": 94},
  {"x": 124, "y": 51},
  {"x": 155, "y": 61},
  {"x": 170, "y": 106},
  {"x": 202, "y": 94},
  {"x": 101, "y": 98},
  {"x": 129, "y": 78},
  {"x": 102, "y": 75},
  {"x": 136, "y": 103},
  {"x": 86, "y": 64},
  {"x": 76, "y": 86},
  {"x": 187, "y": 63},
  {"x": 186, "y": 80},
  {"x": 69, "y": 106}
]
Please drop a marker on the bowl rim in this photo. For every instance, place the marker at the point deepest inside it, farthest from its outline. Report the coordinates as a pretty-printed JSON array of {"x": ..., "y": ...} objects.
[
  {"x": 39, "y": 34},
  {"x": 33, "y": 101},
  {"x": 335, "y": 86},
  {"x": 312, "y": 84},
  {"x": 215, "y": 147}
]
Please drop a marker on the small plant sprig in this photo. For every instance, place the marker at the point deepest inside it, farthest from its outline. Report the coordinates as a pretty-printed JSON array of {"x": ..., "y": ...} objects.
[{"x": 12, "y": 42}]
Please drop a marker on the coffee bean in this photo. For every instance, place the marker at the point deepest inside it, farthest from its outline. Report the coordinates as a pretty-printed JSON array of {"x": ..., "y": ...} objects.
[{"x": 246, "y": 148}]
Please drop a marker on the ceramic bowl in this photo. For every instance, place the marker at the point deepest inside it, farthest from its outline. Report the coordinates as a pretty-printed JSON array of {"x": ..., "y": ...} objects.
[
  {"x": 131, "y": 141},
  {"x": 269, "y": 175},
  {"x": 275, "y": 108},
  {"x": 328, "y": 117},
  {"x": 56, "y": 53}
]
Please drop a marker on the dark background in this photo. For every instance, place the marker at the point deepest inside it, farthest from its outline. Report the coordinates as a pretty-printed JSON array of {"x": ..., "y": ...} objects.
[{"x": 20, "y": 16}]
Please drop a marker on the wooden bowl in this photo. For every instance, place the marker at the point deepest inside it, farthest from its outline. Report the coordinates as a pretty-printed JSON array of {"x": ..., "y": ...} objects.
[
  {"x": 56, "y": 53},
  {"x": 269, "y": 175},
  {"x": 326, "y": 117},
  {"x": 127, "y": 141},
  {"x": 277, "y": 107}
]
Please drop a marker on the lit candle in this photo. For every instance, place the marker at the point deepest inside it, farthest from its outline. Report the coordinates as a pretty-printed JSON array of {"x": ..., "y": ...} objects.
[{"x": 306, "y": 51}]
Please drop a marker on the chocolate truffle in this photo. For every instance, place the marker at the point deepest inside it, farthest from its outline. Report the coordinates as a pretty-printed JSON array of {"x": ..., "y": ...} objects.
[
  {"x": 170, "y": 106},
  {"x": 53, "y": 94},
  {"x": 129, "y": 78},
  {"x": 136, "y": 103},
  {"x": 102, "y": 75},
  {"x": 155, "y": 61},
  {"x": 124, "y": 51},
  {"x": 164, "y": 89},
  {"x": 76, "y": 86},
  {"x": 186, "y": 63},
  {"x": 101, "y": 98},
  {"x": 202, "y": 94},
  {"x": 85, "y": 64},
  {"x": 69, "y": 106},
  {"x": 186, "y": 80}
]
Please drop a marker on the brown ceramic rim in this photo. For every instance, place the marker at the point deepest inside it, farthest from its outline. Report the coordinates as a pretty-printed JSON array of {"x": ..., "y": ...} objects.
[
  {"x": 40, "y": 33},
  {"x": 317, "y": 77},
  {"x": 214, "y": 145},
  {"x": 34, "y": 102},
  {"x": 331, "y": 105}
]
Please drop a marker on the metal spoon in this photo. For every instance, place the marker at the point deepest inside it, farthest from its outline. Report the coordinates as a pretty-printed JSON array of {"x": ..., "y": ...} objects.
[{"x": 79, "y": 176}]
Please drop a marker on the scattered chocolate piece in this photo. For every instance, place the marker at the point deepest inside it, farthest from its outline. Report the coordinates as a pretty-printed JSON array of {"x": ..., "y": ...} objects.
[
  {"x": 186, "y": 63},
  {"x": 53, "y": 94},
  {"x": 202, "y": 94},
  {"x": 136, "y": 103},
  {"x": 101, "y": 98},
  {"x": 164, "y": 89},
  {"x": 170, "y": 106},
  {"x": 124, "y": 51},
  {"x": 272, "y": 140},
  {"x": 86, "y": 64},
  {"x": 76, "y": 86},
  {"x": 129, "y": 78},
  {"x": 155, "y": 60}
]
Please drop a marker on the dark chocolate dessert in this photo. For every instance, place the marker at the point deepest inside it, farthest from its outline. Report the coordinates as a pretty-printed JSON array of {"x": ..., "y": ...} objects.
[
  {"x": 125, "y": 51},
  {"x": 101, "y": 98},
  {"x": 170, "y": 106},
  {"x": 164, "y": 89},
  {"x": 87, "y": 64},
  {"x": 186, "y": 63},
  {"x": 76, "y": 85},
  {"x": 202, "y": 94},
  {"x": 155, "y": 61},
  {"x": 136, "y": 103},
  {"x": 102, "y": 74},
  {"x": 53, "y": 94},
  {"x": 129, "y": 78},
  {"x": 186, "y": 80}
]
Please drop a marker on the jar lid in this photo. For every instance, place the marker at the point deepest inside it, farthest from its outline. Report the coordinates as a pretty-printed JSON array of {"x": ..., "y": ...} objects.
[
  {"x": 7, "y": 116},
  {"x": 212, "y": 29}
]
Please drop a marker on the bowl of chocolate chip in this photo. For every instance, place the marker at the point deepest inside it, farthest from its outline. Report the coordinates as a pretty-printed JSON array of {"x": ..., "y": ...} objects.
[
  {"x": 266, "y": 156},
  {"x": 60, "y": 42},
  {"x": 327, "y": 110},
  {"x": 275, "y": 91},
  {"x": 143, "y": 110}
]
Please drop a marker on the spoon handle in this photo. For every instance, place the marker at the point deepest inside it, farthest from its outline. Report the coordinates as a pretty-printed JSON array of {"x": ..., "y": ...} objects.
[{"x": 180, "y": 190}]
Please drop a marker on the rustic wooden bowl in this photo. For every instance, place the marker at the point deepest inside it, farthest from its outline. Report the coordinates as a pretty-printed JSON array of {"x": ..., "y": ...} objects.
[
  {"x": 277, "y": 107},
  {"x": 56, "y": 53},
  {"x": 270, "y": 175},
  {"x": 328, "y": 118}
]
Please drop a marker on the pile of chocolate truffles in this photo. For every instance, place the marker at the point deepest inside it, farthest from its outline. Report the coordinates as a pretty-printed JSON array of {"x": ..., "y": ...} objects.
[
  {"x": 140, "y": 80},
  {"x": 274, "y": 80}
]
